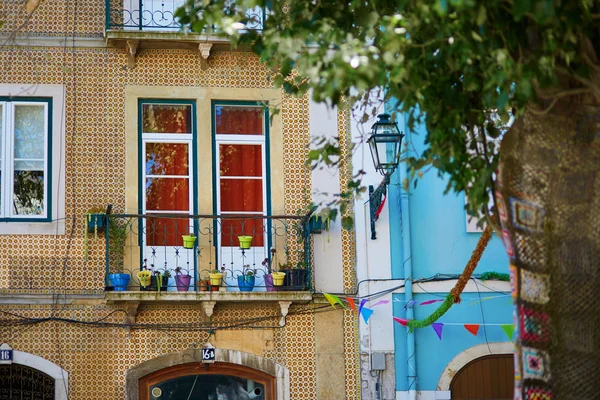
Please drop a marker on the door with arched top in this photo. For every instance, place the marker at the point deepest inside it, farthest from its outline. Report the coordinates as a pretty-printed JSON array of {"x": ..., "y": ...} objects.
[
  {"x": 20, "y": 382},
  {"x": 485, "y": 378},
  {"x": 218, "y": 381}
]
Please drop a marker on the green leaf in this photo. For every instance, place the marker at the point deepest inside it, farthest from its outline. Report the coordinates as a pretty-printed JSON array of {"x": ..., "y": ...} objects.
[
  {"x": 348, "y": 223},
  {"x": 481, "y": 15},
  {"x": 476, "y": 36}
]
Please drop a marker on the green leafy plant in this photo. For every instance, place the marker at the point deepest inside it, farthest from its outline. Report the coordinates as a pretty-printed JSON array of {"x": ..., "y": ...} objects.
[{"x": 118, "y": 230}]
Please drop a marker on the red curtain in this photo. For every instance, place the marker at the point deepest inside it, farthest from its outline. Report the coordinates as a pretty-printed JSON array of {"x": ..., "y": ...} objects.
[
  {"x": 236, "y": 120},
  {"x": 166, "y": 118}
]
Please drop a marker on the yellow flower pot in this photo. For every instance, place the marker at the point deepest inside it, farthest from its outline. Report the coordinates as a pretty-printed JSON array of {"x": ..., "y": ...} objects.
[
  {"x": 144, "y": 277},
  {"x": 278, "y": 278},
  {"x": 188, "y": 241},
  {"x": 245, "y": 241},
  {"x": 215, "y": 278}
]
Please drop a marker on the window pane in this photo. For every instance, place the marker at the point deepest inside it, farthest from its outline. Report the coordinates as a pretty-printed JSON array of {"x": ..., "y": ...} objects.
[
  {"x": 166, "y": 231},
  {"x": 29, "y": 160},
  {"x": 1, "y": 153},
  {"x": 241, "y": 195},
  {"x": 167, "y": 194},
  {"x": 207, "y": 387},
  {"x": 29, "y": 132},
  {"x": 166, "y": 159},
  {"x": 239, "y": 120},
  {"x": 232, "y": 228},
  {"x": 240, "y": 160},
  {"x": 167, "y": 118},
  {"x": 28, "y": 192}
]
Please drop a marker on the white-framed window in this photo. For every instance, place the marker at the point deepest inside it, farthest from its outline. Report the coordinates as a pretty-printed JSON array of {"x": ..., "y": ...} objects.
[
  {"x": 240, "y": 136},
  {"x": 25, "y": 218},
  {"x": 167, "y": 177},
  {"x": 25, "y": 159}
]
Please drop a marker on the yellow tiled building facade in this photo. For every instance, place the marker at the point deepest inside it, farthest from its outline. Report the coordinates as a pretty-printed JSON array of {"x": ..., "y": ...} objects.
[{"x": 52, "y": 275}]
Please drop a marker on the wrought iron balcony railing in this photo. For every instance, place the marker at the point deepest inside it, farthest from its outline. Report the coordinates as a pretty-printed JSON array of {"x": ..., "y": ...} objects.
[
  {"x": 158, "y": 15},
  {"x": 183, "y": 253}
]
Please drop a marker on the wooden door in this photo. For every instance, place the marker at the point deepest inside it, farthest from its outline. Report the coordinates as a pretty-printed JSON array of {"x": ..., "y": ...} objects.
[{"x": 486, "y": 378}]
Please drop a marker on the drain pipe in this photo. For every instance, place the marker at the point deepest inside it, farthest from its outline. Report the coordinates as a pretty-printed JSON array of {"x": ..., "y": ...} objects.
[{"x": 406, "y": 251}]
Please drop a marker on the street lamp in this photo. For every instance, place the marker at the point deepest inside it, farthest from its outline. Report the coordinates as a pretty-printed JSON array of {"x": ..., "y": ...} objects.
[{"x": 385, "y": 144}]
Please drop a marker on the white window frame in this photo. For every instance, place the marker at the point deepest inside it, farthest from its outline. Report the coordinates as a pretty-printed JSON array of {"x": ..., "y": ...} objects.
[
  {"x": 174, "y": 138},
  {"x": 8, "y": 158},
  {"x": 227, "y": 139},
  {"x": 30, "y": 225}
]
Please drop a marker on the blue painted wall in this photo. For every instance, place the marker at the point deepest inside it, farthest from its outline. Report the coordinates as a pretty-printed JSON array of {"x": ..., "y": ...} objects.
[
  {"x": 440, "y": 244},
  {"x": 432, "y": 354}
]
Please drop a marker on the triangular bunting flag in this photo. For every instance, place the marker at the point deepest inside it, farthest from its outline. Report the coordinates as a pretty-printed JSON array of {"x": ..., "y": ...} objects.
[
  {"x": 350, "y": 301},
  {"x": 429, "y": 302},
  {"x": 437, "y": 327},
  {"x": 410, "y": 304},
  {"x": 380, "y": 302},
  {"x": 333, "y": 299},
  {"x": 362, "y": 304},
  {"x": 366, "y": 314},
  {"x": 509, "y": 329},
  {"x": 472, "y": 328},
  {"x": 401, "y": 321}
]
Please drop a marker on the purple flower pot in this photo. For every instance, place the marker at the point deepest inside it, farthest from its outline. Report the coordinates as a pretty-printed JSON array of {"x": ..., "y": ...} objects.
[
  {"x": 183, "y": 282},
  {"x": 269, "y": 283}
]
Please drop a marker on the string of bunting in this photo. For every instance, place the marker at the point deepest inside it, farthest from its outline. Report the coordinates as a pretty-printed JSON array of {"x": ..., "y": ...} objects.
[
  {"x": 473, "y": 329},
  {"x": 367, "y": 312},
  {"x": 452, "y": 298},
  {"x": 454, "y": 295}
]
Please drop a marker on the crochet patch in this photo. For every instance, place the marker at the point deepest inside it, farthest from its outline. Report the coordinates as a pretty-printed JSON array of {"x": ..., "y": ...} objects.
[
  {"x": 507, "y": 244},
  {"x": 534, "y": 326},
  {"x": 536, "y": 364},
  {"x": 526, "y": 216},
  {"x": 538, "y": 394},
  {"x": 513, "y": 272},
  {"x": 535, "y": 287}
]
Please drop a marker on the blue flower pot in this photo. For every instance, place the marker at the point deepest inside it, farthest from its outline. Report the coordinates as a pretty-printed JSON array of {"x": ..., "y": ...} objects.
[
  {"x": 246, "y": 283},
  {"x": 119, "y": 281}
]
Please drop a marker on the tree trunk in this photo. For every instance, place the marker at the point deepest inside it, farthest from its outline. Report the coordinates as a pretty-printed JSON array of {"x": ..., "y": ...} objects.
[{"x": 548, "y": 197}]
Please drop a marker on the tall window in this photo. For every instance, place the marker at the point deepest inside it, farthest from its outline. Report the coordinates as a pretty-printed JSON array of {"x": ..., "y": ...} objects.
[
  {"x": 240, "y": 140},
  {"x": 167, "y": 131},
  {"x": 25, "y": 158}
]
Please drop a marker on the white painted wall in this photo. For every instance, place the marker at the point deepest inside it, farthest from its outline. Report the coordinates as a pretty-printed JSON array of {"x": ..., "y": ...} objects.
[
  {"x": 372, "y": 256},
  {"x": 327, "y": 249}
]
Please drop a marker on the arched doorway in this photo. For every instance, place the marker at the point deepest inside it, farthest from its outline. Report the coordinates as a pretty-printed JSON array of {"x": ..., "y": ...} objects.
[
  {"x": 489, "y": 377},
  {"x": 199, "y": 381},
  {"x": 22, "y": 382},
  {"x": 177, "y": 372}
]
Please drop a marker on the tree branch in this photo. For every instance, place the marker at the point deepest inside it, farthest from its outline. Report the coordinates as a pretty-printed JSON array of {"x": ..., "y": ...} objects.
[{"x": 555, "y": 97}]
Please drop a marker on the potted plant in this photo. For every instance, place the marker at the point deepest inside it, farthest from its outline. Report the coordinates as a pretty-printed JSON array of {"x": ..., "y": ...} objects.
[
  {"x": 246, "y": 279},
  {"x": 182, "y": 280},
  {"x": 189, "y": 241},
  {"x": 145, "y": 277},
  {"x": 273, "y": 279},
  {"x": 216, "y": 278},
  {"x": 245, "y": 242},
  {"x": 295, "y": 278},
  {"x": 95, "y": 219},
  {"x": 117, "y": 237},
  {"x": 162, "y": 280}
]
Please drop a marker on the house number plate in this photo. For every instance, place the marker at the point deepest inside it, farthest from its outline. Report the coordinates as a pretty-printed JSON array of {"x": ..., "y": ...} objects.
[{"x": 208, "y": 355}]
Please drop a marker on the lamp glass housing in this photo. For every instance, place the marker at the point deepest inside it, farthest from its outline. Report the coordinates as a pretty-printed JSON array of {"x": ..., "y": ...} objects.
[{"x": 385, "y": 142}]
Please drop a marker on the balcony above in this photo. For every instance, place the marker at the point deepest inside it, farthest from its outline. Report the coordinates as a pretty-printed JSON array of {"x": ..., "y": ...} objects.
[{"x": 141, "y": 24}]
